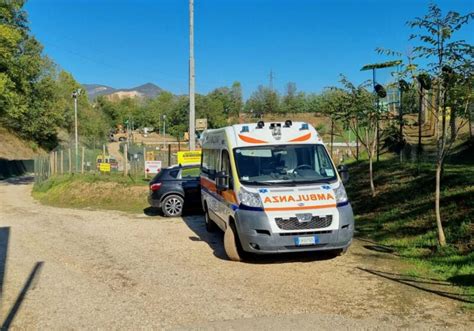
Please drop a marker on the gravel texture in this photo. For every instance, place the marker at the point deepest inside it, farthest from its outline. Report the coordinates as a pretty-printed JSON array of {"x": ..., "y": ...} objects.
[{"x": 110, "y": 270}]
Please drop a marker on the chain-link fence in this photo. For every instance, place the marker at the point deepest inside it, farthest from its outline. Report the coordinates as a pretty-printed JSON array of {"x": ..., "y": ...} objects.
[{"x": 115, "y": 158}]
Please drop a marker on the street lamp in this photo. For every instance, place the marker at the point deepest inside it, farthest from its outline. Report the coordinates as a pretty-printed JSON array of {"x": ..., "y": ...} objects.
[
  {"x": 164, "y": 131},
  {"x": 75, "y": 94},
  {"x": 379, "y": 89}
]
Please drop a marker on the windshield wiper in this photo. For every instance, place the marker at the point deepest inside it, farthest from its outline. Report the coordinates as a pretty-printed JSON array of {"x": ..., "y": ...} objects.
[{"x": 255, "y": 182}]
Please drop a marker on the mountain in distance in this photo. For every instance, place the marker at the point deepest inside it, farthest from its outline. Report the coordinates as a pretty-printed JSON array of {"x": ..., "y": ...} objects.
[{"x": 148, "y": 90}]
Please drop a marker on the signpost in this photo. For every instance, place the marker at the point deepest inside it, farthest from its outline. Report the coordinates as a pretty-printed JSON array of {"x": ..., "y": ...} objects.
[
  {"x": 152, "y": 167},
  {"x": 191, "y": 157},
  {"x": 104, "y": 167},
  {"x": 201, "y": 124}
]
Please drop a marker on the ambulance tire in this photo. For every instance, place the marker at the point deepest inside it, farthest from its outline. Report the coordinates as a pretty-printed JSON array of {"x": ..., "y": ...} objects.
[
  {"x": 231, "y": 244},
  {"x": 210, "y": 225}
]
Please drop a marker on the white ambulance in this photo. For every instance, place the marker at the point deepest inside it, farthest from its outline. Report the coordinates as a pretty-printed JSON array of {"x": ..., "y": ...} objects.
[{"x": 273, "y": 188}]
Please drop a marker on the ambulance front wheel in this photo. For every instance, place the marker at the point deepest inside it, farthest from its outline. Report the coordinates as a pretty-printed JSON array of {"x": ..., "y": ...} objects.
[{"x": 230, "y": 244}]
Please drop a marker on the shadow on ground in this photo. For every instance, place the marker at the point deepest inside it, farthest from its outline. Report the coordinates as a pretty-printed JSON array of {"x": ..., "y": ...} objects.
[
  {"x": 215, "y": 241},
  {"x": 29, "y": 284},
  {"x": 21, "y": 180},
  {"x": 431, "y": 285}
]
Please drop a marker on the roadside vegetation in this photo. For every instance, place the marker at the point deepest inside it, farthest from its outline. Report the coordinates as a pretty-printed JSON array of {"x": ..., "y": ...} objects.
[
  {"x": 112, "y": 192},
  {"x": 401, "y": 217}
]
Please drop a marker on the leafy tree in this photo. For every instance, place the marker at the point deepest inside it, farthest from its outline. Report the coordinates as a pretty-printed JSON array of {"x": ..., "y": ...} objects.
[
  {"x": 293, "y": 101},
  {"x": 361, "y": 115},
  {"x": 435, "y": 35},
  {"x": 263, "y": 101}
]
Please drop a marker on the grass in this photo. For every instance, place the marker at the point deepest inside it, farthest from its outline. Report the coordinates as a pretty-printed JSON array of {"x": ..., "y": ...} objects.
[
  {"x": 111, "y": 192},
  {"x": 402, "y": 217}
]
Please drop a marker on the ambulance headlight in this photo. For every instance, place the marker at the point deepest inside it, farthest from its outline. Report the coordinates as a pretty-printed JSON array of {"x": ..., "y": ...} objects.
[
  {"x": 341, "y": 195},
  {"x": 249, "y": 199}
]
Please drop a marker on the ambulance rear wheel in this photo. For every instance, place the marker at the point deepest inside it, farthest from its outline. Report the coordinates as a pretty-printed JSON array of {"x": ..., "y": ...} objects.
[{"x": 231, "y": 245}]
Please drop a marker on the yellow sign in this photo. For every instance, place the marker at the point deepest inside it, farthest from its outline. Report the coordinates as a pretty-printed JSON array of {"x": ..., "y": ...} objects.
[
  {"x": 189, "y": 157},
  {"x": 150, "y": 156},
  {"x": 104, "y": 167}
]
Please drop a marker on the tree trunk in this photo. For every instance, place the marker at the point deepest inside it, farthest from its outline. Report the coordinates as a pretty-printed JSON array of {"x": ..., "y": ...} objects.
[
  {"x": 452, "y": 124},
  {"x": 470, "y": 123},
  {"x": 441, "y": 237},
  {"x": 420, "y": 110},
  {"x": 357, "y": 139},
  {"x": 371, "y": 175},
  {"x": 332, "y": 137}
]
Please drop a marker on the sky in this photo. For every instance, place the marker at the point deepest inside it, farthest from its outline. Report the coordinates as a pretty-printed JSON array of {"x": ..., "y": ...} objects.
[{"x": 128, "y": 43}]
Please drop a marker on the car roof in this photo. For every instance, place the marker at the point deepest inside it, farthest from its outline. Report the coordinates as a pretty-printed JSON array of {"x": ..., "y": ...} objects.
[{"x": 185, "y": 166}]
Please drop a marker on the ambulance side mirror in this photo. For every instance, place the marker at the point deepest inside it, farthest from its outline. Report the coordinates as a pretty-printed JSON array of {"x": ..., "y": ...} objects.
[
  {"x": 222, "y": 181},
  {"x": 343, "y": 173}
]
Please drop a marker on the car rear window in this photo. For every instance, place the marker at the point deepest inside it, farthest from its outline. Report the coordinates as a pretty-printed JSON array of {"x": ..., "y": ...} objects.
[
  {"x": 190, "y": 172},
  {"x": 174, "y": 173}
]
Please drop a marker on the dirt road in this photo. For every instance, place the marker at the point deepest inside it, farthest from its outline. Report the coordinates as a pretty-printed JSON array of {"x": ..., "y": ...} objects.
[{"x": 71, "y": 269}]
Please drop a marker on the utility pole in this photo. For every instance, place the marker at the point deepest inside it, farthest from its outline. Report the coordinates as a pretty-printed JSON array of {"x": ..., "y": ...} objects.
[
  {"x": 192, "y": 115},
  {"x": 164, "y": 131},
  {"x": 75, "y": 94}
]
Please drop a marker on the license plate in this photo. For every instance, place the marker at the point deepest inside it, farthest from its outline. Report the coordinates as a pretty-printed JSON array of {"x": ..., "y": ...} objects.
[{"x": 300, "y": 241}]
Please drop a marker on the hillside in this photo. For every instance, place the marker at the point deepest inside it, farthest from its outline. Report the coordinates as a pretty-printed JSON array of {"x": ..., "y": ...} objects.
[
  {"x": 148, "y": 90},
  {"x": 14, "y": 148}
]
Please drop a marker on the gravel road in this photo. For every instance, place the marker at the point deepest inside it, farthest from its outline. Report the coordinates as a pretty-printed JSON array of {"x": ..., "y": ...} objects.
[{"x": 85, "y": 269}]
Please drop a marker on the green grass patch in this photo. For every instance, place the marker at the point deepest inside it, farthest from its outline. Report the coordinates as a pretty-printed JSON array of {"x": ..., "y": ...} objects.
[
  {"x": 402, "y": 215},
  {"x": 96, "y": 191}
]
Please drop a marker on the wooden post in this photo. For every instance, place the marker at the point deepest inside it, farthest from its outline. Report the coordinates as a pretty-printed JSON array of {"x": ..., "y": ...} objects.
[
  {"x": 55, "y": 162},
  {"x": 169, "y": 155},
  {"x": 69, "y": 159},
  {"x": 125, "y": 158},
  {"x": 62, "y": 162},
  {"x": 82, "y": 159},
  {"x": 51, "y": 163}
]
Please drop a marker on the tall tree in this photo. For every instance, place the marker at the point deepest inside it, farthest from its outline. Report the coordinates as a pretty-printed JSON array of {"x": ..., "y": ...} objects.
[
  {"x": 292, "y": 101},
  {"x": 263, "y": 101},
  {"x": 435, "y": 35}
]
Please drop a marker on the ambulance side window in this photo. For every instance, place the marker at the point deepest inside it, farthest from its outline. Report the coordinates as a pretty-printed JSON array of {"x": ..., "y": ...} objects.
[
  {"x": 225, "y": 166},
  {"x": 210, "y": 161}
]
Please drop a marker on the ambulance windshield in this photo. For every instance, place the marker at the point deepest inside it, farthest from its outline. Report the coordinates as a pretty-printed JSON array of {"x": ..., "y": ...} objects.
[{"x": 283, "y": 164}]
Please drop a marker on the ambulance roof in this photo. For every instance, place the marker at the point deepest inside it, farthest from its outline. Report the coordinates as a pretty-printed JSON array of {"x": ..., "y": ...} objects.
[{"x": 270, "y": 133}]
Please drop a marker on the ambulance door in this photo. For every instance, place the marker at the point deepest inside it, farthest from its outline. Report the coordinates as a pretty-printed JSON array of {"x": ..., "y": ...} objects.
[{"x": 227, "y": 196}]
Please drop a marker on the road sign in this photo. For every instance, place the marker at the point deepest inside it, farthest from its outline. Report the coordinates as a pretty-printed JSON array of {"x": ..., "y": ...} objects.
[
  {"x": 201, "y": 124},
  {"x": 152, "y": 167},
  {"x": 104, "y": 167},
  {"x": 191, "y": 157}
]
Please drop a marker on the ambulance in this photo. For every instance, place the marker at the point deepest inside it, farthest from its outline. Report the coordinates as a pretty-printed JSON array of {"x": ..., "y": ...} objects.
[{"x": 273, "y": 188}]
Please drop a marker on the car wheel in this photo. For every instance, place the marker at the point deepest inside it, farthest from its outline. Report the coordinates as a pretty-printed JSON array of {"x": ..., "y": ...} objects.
[
  {"x": 172, "y": 205},
  {"x": 231, "y": 246},
  {"x": 210, "y": 225}
]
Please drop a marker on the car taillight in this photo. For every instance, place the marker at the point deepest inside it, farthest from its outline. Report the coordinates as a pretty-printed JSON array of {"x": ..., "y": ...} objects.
[{"x": 155, "y": 187}]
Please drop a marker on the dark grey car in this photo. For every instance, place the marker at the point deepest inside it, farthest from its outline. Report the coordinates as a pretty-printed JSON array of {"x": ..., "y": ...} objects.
[{"x": 175, "y": 189}]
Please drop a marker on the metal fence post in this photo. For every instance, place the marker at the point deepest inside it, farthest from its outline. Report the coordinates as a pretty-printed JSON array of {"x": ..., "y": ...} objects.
[
  {"x": 82, "y": 159},
  {"x": 62, "y": 162},
  {"x": 69, "y": 160},
  {"x": 125, "y": 157}
]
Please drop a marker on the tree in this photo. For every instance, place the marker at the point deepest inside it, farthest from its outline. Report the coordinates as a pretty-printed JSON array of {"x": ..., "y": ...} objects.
[
  {"x": 362, "y": 116},
  {"x": 237, "y": 102},
  {"x": 435, "y": 36},
  {"x": 292, "y": 101},
  {"x": 263, "y": 101}
]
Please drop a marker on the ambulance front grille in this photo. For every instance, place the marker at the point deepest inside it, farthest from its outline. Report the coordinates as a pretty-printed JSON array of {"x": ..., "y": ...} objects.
[{"x": 292, "y": 223}]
